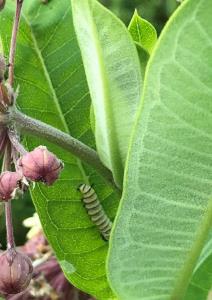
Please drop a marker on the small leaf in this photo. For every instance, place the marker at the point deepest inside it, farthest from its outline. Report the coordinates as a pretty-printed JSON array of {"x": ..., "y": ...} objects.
[
  {"x": 114, "y": 79},
  {"x": 143, "y": 32},
  {"x": 166, "y": 210}
]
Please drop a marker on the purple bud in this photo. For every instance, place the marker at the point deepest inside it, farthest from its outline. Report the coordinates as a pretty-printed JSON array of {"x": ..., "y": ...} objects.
[
  {"x": 41, "y": 165},
  {"x": 16, "y": 272},
  {"x": 2, "y": 4},
  {"x": 9, "y": 182}
]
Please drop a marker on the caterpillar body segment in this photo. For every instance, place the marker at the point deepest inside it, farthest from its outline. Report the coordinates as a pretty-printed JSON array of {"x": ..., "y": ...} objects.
[{"x": 95, "y": 210}]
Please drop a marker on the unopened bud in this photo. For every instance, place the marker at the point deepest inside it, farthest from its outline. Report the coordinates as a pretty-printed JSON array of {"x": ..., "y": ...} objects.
[
  {"x": 41, "y": 165},
  {"x": 16, "y": 272},
  {"x": 2, "y": 4},
  {"x": 9, "y": 182}
]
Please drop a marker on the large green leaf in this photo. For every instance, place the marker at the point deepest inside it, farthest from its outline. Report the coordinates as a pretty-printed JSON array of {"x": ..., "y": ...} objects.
[
  {"x": 166, "y": 210},
  {"x": 53, "y": 88},
  {"x": 201, "y": 282},
  {"x": 113, "y": 73}
]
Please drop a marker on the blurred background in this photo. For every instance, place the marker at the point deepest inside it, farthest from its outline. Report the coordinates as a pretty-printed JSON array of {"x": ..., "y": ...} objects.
[{"x": 155, "y": 11}]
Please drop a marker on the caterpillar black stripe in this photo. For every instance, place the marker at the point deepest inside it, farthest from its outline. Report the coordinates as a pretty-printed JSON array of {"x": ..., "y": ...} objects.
[{"x": 95, "y": 210}]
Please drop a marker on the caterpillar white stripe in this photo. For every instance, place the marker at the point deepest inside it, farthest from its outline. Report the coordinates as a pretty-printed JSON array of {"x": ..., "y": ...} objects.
[{"x": 95, "y": 210}]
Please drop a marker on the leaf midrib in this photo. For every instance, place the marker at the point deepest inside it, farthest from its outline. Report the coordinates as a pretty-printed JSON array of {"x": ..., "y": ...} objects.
[{"x": 106, "y": 95}]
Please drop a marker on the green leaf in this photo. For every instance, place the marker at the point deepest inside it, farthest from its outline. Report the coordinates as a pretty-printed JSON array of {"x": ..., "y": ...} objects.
[
  {"x": 143, "y": 58},
  {"x": 114, "y": 79},
  {"x": 144, "y": 36},
  {"x": 166, "y": 210},
  {"x": 53, "y": 89},
  {"x": 92, "y": 119},
  {"x": 143, "y": 32},
  {"x": 201, "y": 282}
]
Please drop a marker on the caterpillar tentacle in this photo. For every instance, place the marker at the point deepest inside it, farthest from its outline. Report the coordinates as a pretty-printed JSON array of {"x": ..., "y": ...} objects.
[{"x": 95, "y": 210}]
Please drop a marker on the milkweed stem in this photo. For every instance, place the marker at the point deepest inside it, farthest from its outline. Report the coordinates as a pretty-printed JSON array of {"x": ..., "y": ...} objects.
[
  {"x": 29, "y": 125},
  {"x": 13, "y": 41},
  {"x": 8, "y": 209}
]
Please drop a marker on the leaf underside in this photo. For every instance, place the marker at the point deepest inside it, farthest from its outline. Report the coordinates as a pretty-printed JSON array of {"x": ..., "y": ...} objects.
[
  {"x": 165, "y": 214},
  {"x": 53, "y": 89},
  {"x": 113, "y": 73}
]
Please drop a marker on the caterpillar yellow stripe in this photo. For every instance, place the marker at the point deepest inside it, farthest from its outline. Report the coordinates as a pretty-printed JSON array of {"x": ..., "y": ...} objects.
[{"x": 95, "y": 210}]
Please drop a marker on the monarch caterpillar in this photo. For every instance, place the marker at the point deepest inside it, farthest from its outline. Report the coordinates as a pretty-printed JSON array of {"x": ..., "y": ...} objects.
[{"x": 95, "y": 210}]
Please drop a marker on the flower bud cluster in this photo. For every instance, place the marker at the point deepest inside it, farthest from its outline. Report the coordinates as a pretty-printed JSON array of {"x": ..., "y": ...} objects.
[{"x": 37, "y": 165}]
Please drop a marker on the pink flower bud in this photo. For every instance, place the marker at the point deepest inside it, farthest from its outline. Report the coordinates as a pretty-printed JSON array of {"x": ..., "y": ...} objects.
[
  {"x": 41, "y": 165},
  {"x": 16, "y": 272},
  {"x": 9, "y": 182}
]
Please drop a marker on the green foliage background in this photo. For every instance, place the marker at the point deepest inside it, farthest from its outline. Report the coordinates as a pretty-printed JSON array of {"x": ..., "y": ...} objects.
[{"x": 156, "y": 11}]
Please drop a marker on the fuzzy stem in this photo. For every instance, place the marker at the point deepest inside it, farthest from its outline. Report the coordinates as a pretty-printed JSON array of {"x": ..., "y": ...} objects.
[
  {"x": 9, "y": 225},
  {"x": 15, "y": 142},
  {"x": 83, "y": 152},
  {"x": 13, "y": 41},
  {"x": 8, "y": 208}
]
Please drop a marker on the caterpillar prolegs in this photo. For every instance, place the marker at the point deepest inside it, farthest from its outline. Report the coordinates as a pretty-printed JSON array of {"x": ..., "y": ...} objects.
[{"x": 95, "y": 210}]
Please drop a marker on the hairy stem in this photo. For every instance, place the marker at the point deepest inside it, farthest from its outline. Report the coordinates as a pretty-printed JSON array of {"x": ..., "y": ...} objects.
[
  {"x": 16, "y": 143},
  {"x": 83, "y": 152},
  {"x": 9, "y": 225},
  {"x": 8, "y": 209},
  {"x": 13, "y": 41}
]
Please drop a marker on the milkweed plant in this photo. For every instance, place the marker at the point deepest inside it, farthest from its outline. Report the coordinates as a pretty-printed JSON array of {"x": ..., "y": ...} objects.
[{"x": 109, "y": 127}]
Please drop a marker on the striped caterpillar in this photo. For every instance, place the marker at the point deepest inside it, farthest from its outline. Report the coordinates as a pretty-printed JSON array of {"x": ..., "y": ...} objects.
[{"x": 95, "y": 210}]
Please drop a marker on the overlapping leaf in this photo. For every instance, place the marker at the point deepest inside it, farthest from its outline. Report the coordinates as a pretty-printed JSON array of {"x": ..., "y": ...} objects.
[
  {"x": 53, "y": 89},
  {"x": 166, "y": 208},
  {"x": 112, "y": 68},
  {"x": 201, "y": 282}
]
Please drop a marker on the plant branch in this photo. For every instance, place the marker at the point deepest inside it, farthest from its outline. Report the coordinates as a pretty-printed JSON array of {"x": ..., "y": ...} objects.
[
  {"x": 8, "y": 209},
  {"x": 9, "y": 225},
  {"x": 14, "y": 40},
  {"x": 83, "y": 152}
]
